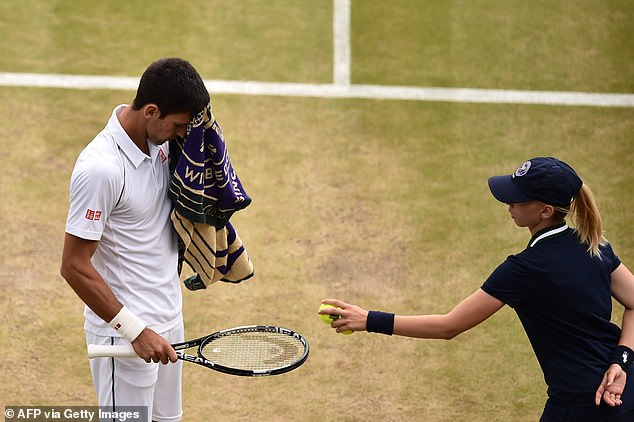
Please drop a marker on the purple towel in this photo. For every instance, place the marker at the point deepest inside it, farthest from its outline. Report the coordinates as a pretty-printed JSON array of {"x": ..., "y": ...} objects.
[{"x": 206, "y": 191}]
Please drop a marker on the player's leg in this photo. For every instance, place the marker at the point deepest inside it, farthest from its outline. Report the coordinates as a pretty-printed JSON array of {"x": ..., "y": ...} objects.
[
  {"x": 168, "y": 402},
  {"x": 122, "y": 382}
]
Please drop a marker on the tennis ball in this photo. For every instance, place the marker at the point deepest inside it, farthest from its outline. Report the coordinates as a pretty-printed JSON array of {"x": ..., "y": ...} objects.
[{"x": 329, "y": 318}]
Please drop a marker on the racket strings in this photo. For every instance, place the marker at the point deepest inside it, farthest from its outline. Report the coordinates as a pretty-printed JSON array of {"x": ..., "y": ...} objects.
[{"x": 256, "y": 350}]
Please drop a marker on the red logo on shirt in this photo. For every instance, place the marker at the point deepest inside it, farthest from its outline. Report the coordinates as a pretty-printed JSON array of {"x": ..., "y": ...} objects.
[
  {"x": 162, "y": 154},
  {"x": 93, "y": 215},
  {"x": 116, "y": 327}
]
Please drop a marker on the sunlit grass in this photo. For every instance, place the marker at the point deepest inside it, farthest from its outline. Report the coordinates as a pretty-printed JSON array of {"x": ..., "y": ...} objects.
[
  {"x": 390, "y": 211},
  {"x": 382, "y": 203}
]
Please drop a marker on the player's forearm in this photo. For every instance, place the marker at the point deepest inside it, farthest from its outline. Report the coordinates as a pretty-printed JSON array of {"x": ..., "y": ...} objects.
[
  {"x": 92, "y": 289},
  {"x": 425, "y": 326},
  {"x": 623, "y": 292},
  {"x": 627, "y": 329},
  {"x": 467, "y": 314},
  {"x": 83, "y": 278}
]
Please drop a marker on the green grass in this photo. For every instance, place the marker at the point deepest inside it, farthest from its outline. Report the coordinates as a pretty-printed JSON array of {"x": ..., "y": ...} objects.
[
  {"x": 390, "y": 212},
  {"x": 382, "y": 203},
  {"x": 538, "y": 45},
  {"x": 279, "y": 40}
]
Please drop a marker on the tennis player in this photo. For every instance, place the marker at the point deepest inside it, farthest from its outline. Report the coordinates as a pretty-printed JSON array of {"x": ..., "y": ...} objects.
[
  {"x": 560, "y": 286},
  {"x": 120, "y": 251}
]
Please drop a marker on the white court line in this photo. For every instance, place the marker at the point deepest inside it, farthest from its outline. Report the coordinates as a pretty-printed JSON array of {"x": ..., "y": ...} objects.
[
  {"x": 463, "y": 95},
  {"x": 341, "y": 42}
]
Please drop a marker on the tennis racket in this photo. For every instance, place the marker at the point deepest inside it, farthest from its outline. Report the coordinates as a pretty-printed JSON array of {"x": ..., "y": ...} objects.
[{"x": 255, "y": 350}]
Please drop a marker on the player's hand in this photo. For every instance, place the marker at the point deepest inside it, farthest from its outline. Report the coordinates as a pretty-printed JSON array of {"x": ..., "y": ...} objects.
[
  {"x": 151, "y": 347},
  {"x": 612, "y": 386},
  {"x": 352, "y": 318}
]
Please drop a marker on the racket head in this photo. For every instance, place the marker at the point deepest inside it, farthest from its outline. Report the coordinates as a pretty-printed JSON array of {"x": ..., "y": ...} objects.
[{"x": 254, "y": 350}]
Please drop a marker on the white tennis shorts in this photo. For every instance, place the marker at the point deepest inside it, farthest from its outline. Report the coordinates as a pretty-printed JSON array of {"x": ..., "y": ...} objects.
[{"x": 133, "y": 382}]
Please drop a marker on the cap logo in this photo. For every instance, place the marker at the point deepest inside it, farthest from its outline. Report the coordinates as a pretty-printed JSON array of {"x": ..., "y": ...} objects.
[{"x": 523, "y": 169}]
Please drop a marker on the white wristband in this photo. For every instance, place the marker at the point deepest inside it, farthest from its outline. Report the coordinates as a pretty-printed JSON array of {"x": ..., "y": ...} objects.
[{"x": 127, "y": 324}]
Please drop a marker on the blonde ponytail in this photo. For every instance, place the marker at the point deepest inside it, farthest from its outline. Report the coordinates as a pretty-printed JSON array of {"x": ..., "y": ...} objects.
[{"x": 586, "y": 220}]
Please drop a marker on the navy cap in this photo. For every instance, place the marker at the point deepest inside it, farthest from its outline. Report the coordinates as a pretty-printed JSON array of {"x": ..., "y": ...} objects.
[{"x": 544, "y": 179}]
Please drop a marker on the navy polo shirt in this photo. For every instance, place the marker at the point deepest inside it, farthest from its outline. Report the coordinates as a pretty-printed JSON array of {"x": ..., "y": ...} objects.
[{"x": 563, "y": 299}]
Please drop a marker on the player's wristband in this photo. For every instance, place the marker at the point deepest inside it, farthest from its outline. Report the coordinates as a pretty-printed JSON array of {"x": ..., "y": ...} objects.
[
  {"x": 127, "y": 324},
  {"x": 380, "y": 322},
  {"x": 623, "y": 356}
]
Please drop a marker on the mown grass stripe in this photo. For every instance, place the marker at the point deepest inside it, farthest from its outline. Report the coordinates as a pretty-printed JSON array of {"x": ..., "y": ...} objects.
[{"x": 463, "y": 95}]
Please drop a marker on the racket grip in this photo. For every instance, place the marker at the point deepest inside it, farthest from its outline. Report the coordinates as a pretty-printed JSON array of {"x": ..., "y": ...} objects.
[{"x": 106, "y": 351}]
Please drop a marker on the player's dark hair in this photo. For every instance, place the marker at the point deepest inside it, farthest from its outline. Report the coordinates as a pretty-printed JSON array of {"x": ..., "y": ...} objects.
[{"x": 174, "y": 86}]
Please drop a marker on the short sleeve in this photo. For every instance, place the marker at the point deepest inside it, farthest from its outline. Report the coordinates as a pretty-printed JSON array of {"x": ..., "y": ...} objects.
[
  {"x": 95, "y": 187},
  {"x": 609, "y": 257},
  {"x": 509, "y": 282}
]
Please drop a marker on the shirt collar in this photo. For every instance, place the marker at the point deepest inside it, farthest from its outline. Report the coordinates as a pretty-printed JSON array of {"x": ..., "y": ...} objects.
[
  {"x": 129, "y": 148},
  {"x": 548, "y": 232}
]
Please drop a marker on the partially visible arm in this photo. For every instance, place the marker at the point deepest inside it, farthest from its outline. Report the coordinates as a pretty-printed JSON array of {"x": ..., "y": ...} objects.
[
  {"x": 467, "y": 314},
  {"x": 83, "y": 278},
  {"x": 623, "y": 291},
  {"x": 614, "y": 380}
]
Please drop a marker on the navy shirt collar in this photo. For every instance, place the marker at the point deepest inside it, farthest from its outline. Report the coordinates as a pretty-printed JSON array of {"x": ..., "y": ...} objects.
[{"x": 548, "y": 232}]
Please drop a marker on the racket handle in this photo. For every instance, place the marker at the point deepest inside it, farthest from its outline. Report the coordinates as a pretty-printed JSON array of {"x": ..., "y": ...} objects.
[{"x": 116, "y": 351}]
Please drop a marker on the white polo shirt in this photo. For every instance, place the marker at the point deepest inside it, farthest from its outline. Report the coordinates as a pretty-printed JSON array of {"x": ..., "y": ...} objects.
[{"x": 118, "y": 196}]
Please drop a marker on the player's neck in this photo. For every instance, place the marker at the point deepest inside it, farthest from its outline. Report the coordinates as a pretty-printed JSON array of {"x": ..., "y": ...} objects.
[
  {"x": 133, "y": 123},
  {"x": 543, "y": 225}
]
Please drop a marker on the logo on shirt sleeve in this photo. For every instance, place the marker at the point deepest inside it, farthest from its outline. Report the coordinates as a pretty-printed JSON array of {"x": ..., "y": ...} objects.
[{"x": 92, "y": 215}]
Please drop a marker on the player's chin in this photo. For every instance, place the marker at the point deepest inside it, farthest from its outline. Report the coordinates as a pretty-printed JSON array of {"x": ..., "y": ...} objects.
[
  {"x": 164, "y": 140},
  {"x": 155, "y": 141}
]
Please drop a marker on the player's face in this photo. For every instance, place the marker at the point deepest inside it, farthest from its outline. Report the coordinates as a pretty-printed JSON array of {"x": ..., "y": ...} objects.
[
  {"x": 172, "y": 126},
  {"x": 527, "y": 214}
]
